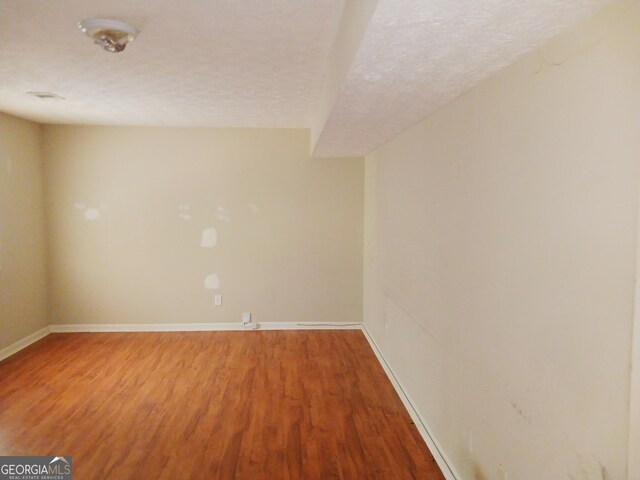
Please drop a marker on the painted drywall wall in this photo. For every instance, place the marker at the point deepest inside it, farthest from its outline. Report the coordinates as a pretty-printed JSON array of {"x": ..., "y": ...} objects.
[
  {"x": 23, "y": 291},
  {"x": 500, "y": 259},
  {"x": 147, "y": 225},
  {"x": 634, "y": 398}
]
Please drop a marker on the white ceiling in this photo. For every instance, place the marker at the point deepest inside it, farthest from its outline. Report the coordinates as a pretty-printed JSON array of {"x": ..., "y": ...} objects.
[
  {"x": 262, "y": 63},
  {"x": 256, "y": 63},
  {"x": 416, "y": 56}
]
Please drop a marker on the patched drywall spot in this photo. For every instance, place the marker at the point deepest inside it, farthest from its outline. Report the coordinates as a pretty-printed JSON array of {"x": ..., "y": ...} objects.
[
  {"x": 91, "y": 213},
  {"x": 104, "y": 206},
  {"x": 209, "y": 238},
  {"x": 212, "y": 282},
  {"x": 185, "y": 211},
  {"x": 254, "y": 209},
  {"x": 222, "y": 214}
]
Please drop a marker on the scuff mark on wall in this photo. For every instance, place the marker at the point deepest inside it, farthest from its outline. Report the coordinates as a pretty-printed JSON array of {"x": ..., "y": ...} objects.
[
  {"x": 603, "y": 472},
  {"x": 212, "y": 282},
  {"x": 477, "y": 474},
  {"x": 590, "y": 468},
  {"x": 209, "y": 238},
  {"x": 520, "y": 413}
]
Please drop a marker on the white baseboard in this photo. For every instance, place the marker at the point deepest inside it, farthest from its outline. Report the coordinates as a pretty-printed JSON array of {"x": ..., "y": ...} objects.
[
  {"x": 445, "y": 465},
  {"x": 24, "y": 343},
  {"x": 169, "y": 327},
  {"x": 201, "y": 327}
]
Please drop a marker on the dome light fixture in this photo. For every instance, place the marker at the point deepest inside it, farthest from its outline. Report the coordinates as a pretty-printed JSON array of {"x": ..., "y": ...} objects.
[{"x": 112, "y": 35}]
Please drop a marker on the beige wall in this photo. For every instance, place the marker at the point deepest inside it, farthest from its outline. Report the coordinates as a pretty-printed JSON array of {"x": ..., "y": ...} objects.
[
  {"x": 23, "y": 294},
  {"x": 634, "y": 411},
  {"x": 289, "y": 228},
  {"x": 500, "y": 260}
]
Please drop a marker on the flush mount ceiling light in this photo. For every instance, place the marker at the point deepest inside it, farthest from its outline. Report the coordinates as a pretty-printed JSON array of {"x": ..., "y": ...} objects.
[{"x": 111, "y": 35}]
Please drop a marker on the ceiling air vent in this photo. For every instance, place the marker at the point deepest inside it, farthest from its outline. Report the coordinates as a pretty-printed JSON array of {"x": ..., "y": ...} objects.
[{"x": 45, "y": 95}]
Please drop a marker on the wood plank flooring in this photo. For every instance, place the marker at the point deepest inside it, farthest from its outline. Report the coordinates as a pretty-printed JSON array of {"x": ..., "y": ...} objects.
[{"x": 210, "y": 405}]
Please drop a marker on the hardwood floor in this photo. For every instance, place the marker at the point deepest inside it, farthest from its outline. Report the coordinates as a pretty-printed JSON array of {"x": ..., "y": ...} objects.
[{"x": 210, "y": 405}]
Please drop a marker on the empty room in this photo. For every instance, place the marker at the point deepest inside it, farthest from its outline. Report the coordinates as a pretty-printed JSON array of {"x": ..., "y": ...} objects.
[{"x": 320, "y": 239}]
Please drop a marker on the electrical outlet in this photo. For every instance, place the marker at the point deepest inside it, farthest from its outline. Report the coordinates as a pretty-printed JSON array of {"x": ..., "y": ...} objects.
[
  {"x": 217, "y": 300},
  {"x": 246, "y": 317}
]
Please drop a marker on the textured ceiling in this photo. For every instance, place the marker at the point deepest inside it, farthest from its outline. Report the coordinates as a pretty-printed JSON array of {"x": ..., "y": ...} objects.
[
  {"x": 262, "y": 63},
  {"x": 417, "y": 56},
  {"x": 196, "y": 62}
]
